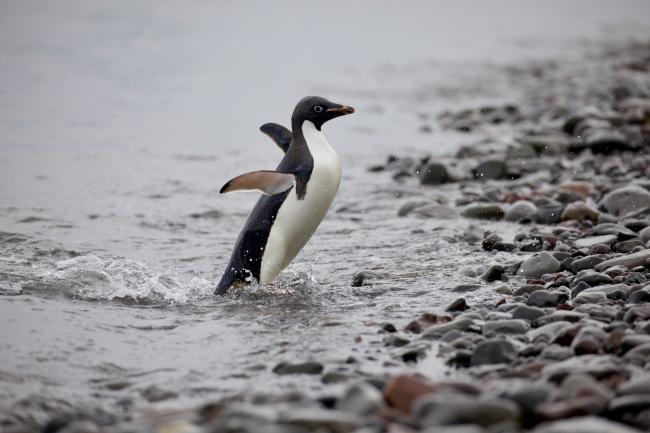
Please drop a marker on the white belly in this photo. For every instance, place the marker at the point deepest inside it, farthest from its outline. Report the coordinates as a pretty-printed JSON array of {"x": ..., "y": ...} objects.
[{"x": 297, "y": 219}]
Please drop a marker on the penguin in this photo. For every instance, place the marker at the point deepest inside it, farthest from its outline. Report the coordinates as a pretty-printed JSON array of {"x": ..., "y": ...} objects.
[{"x": 296, "y": 195}]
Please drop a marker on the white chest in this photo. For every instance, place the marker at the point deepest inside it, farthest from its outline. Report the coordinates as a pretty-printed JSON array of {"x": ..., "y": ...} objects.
[{"x": 297, "y": 219}]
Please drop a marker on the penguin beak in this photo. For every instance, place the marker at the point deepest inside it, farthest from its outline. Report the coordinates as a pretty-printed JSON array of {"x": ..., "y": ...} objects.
[{"x": 343, "y": 109}]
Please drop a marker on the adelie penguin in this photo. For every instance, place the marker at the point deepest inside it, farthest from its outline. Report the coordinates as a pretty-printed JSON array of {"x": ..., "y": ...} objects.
[{"x": 296, "y": 196}]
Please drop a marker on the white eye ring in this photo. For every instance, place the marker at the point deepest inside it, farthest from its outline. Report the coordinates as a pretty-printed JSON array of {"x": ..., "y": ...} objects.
[{"x": 318, "y": 108}]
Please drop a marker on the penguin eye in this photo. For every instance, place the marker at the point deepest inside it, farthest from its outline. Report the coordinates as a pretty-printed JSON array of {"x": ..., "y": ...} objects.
[{"x": 318, "y": 108}]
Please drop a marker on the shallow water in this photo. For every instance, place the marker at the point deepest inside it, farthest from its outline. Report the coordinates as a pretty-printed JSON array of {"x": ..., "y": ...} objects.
[{"x": 119, "y": 124}]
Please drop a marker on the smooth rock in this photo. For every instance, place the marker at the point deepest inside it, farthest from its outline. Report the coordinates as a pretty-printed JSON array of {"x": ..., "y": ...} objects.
[
  {"x": 493, "y": 351},
  {"x": 450, "y": 409},
  {"x": 525, "y": 312},
  {"x": 331, "y": 420},
  {"x": 433, "y": 173},
  {"x": 491, "y": 169},
  {"x": 494, "y": 273},
  {"x": 401, "y": 391},
  {"x": 538, "y": 265},
  {"x": 595, "y": 240},
  {"x": 588, "y": 262},
  {"x": 519, "y": 210},
  {"x": 284, "y": 368},
  {"x": 486, "y": 211},
  {"x": 585, "y": 424},
  {"x": 436, "y": 331},
  {"x": 579, "y": 211},
  {"x": 592, "y": 278},
  {"x": 512, "y": 326},
  {"x": 361, "y": 399},
  {"x": 543, "y": 298},
  {"x": 629, "y": 261},
  {"x": 439, "y": 211},
  {"x": 549, "y": 214},
  {"x": 625, "y": 200}
]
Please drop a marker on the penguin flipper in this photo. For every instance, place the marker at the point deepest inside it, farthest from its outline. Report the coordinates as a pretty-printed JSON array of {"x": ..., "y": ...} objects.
[
  {"x": 279, "y": 134},
  {"x": 264, "y": 181}
]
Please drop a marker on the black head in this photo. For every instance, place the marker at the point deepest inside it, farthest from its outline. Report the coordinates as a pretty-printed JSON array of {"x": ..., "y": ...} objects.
[{"x": 317, "y": 110}]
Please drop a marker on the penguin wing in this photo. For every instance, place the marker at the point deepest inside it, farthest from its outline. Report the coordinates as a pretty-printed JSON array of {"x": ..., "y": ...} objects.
[
  {"x": 264, "y": 181},
  {"x": 279, "y": 134}
]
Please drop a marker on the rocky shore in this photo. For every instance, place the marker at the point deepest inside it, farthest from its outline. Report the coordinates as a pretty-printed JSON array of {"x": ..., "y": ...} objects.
[{"x": 567, "y": 348}]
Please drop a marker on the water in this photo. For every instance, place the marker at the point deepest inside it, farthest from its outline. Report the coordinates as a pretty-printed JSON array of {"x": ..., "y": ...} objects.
[{"x": 120, "y": 122}]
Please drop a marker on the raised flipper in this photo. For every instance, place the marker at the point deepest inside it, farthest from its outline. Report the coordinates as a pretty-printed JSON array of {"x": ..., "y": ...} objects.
[
  {"x": 264, "y": 181},
  {"x": 279, "y": 134}
]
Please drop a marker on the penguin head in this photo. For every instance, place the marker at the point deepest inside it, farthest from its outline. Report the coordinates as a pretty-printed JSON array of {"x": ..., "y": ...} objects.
[{"x": 318, "y": 110}]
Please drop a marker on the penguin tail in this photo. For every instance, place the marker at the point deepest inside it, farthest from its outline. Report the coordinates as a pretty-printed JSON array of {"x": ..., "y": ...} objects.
[
  {"x": 230, "y": 278},
  {"x": 226, "y": 282}
]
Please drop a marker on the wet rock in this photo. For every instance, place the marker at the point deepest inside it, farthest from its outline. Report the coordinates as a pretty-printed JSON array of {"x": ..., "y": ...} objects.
[
  {"x": 494, "y": 242},
  {"x": 491, "y": 169},
  {"x": 284, "y": 368},
  {"x": 543, "y": 298},
  {"x": 577, "y": 386},
  {"x": 436, "y": 331},
  {"x": 401, "y": 167},
  {"x": 330, "y": 420},
  {"x": 512, "y": 326},
  {"x": 409, "y": 206},
  {"x": 579, "y": 211},
  {"x": 361, "y": 399},
  {"x": 589, "y": 339},
  {"x": 570, "y": 408},
  {"x": 154, "y": 393},
  {"x": 629, "y": 261},
  {"x": 548, "y": 332},
  {"x": 494, "y": 273},
  {"x": 561, "y": 316},
  {"x": 433, "y": 173},
  {"x": 396, "y": 341},
  {"x": 486, "y": 211},
  {"x": 645, "y": 235},
  {"x": 621, "y": 232},
  {"x": 458, "y": 305},
  {"x": 586, "y": 424},
  {"x": 595, "y": 240},
  {"x": 640, "y": 312},
  {"x": 461, "y": 428},
  {"x": 592, "y": 278},
  {"x": 401, "y": 391},
  {"x": 332, "y": 377},
  {"x": 364, "y": 278},
  {"x": 494, "y": 351},
  {"x": 550, "y": 214},
  {"x": 538, "y": 265},
  {"x": 629, "y": 408},
  {"x": 629, "y": 246},
  {"x": 462, "y": 288},
  {"x": 520, "y": 210},
  {"x": 425, "y": 321},
  {"x": 598, "y": 366},
  {"x": 588, "y": 262},
  {"x": 555, "y": 352},
  {"x": 438, "y": 211},
  {"x": 527, "y": 289},
  {"x": 473, "y": 234},
  {"x": 627, "y": 199},
  {"x": 639, "y": 385},
  {"x": 640, "y": 296},
  {"x": 527, "y": 313},
  {"x": 452, "y": 409}
]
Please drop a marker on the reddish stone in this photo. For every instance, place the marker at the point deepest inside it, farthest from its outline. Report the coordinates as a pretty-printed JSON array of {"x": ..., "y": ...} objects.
[{"x": 401, "y": 391}]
